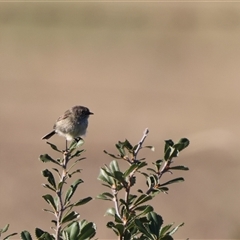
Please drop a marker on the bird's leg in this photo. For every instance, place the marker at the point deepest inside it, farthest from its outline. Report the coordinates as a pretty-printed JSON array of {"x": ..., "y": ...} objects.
[{"x": 66, "y": 145}]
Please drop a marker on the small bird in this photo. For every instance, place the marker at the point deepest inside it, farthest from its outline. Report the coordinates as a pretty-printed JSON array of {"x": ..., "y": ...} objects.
[{"x": 72, "y": 124}]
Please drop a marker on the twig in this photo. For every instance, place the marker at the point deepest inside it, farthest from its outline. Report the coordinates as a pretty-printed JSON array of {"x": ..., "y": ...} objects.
[
  {"x": 164, "y": 168},
  {"x": 135, "y": 153},
  {"x": 60, "y": 210},
  {"x": 145, "y": 133},
  {"x": 161, "y": 172},
  {"x": 115, "y": 200}
]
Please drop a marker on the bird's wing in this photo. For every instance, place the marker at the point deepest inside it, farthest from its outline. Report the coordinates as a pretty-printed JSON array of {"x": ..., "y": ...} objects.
[{"x": 64, "y": 116}]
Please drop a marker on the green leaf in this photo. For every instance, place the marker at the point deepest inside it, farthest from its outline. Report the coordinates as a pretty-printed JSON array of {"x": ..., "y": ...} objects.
[
  {"x": 165, "y": 229},
  {"x": 75, "y": 144},
  {"x": 142, "y": 199},
  {"x": 183, "y": 143},
  {"x": 103, "y": 176},
  {"x": 168, "y": 143},
  {"x": 122, "y": 201},
  {"x": 150, "y": 147},
  {"x": 50, "y": 200},
  {"x": 49, "y": 187},
  {"x": 56, "y": 170},
  {"x": 54, "y": 147},
  {"x": 88, "y": 231},
  {"x": 114, "y": 178},
  {"x": 47, "y": 210},
  {"x": 158, "y": 164},
  {"x": 146, "y": 210},
  {"x": 55, "y": 222},
  {"x": 152, "y": 170},
  {"x": 110, "y": 212},
  {"x": 121, "y": 149},
  {"x": 119, "y": 176},
  {"x": 10, "y": 235},
  {"x": 132, "y": 168},
  {"x": 74, "y": 172},
  {"x": 167, "y": 237},
  {"x": 152, "y": 181},
  {"x": 46, "y": 158},
  {"x": 112, "y": 226},
  {"x": 127, "y": 145},
  {"x": 131, "y": 198},
  {"x": 72, "y": 190},
  {"x": 144, "y": 174},
  {"x": 83, "y": 201},
  {"x": 175, "y": 229},
  {"x": 25, "y": 235},
  {"x": 81, "y": 230},
  {"x": 141, "y": 208},
  {"x": 128, "y": 235},
  {"x": 69, "y": 217},
  {"x": 113, "y": 166},
  {"x": 174, "y": 153},
  {"x": 42, "y": 235},
  {"x": 74, "y": 230},
  {"x": 3, "y": 230},
  {"x": 170, "y": 153},
  {"x": 141, "y": 164},
  {"x": 155, "y": 223},
  {"x": 80, "y": 159},
  {"x": 111, "y": 155},
  {"x": 105, "y": 196},
  {"x": 47, "y": 174},
  {"x": 77, "y": 153},
  {"x": 106, "y": 185},
  {"x": 163, "y": 189},
  {"x": 117, "y": 228},
  {"x": 180, "y": 179},
  {"x": 179, "y": 168},
  {"x": 118, "y": 219},
  {"x": 60, "y": 184},
  {"x": 143, "y": 229}
]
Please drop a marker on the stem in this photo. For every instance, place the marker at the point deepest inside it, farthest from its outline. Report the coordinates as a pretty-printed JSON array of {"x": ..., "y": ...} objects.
[
  {"x": 135, "y": 153},
  {"x": 162, "y": 171},
  {"x": 115, "y": 200},
  {"x": 66, "y": 145},
  {"x": 145, "y": 133},
  {"x": 61, "y": 208},
  {"x": 127, "y": 194},
  {"x": 164, "y": 168}
]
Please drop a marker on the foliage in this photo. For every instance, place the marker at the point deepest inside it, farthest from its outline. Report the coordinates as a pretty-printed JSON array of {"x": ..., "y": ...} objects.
[
  {"x": 66, "y": 223},
  {"x": 133, "y": 216},
  {"x": 4, "y": 230}
]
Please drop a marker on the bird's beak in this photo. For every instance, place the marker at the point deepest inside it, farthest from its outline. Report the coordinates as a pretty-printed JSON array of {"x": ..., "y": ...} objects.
[{"x": 90, "y": 113}]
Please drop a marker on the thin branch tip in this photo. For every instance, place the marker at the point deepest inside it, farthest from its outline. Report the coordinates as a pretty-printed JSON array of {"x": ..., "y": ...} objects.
[{"x": 146, "y": 131}]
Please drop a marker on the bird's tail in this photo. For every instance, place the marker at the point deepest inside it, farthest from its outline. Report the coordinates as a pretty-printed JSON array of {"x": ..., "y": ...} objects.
[{"x": 47, "y": 136}]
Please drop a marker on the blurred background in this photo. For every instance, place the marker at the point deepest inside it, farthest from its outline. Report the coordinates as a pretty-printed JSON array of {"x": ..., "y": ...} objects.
[{"x": 171, "y": 67}]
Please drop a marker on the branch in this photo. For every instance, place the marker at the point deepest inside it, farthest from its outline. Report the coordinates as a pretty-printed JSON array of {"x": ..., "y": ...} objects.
[
  {"x": 115, "y": 200},
  {"x": 139, "y": 146},
  {"x": 164, "y": 168},
  {"x": 60, "y": 210}
]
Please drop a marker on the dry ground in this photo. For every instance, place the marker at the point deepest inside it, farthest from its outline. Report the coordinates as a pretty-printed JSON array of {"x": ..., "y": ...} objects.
[{"x": 171, "y": 67}]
